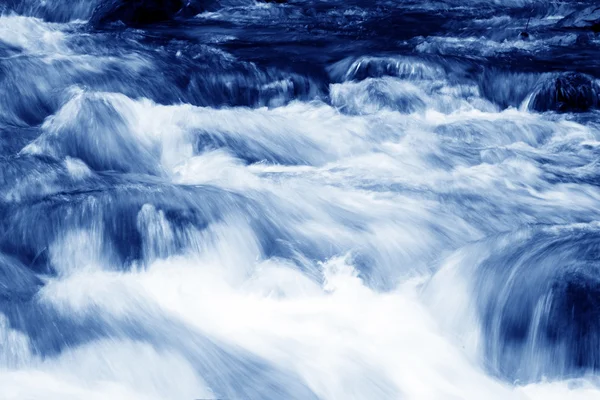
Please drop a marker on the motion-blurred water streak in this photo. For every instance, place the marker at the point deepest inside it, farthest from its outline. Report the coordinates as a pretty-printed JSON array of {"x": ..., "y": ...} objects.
[{"x": 302, "y": 199}]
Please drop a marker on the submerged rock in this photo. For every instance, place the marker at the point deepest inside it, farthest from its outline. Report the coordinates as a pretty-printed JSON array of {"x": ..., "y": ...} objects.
[
  {"x": 568, "y": 92},
  {"x": 524, "y": 35}
]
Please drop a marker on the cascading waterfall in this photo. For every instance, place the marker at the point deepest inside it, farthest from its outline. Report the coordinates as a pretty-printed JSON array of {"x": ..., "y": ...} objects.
[{"x": 299, "y": 199}]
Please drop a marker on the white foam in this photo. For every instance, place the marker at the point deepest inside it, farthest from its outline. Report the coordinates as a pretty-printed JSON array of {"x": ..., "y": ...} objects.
[
  {"x": 32, "y": 34},
  {"x": 343, "y": 340},
  {"x": 106, "y": 369}
]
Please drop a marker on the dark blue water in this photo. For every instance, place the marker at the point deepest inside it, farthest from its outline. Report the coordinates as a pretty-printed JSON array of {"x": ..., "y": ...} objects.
[{"x": 302, "y": 199}]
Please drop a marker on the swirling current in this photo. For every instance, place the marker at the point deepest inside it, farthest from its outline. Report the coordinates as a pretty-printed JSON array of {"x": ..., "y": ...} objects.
[{"x": 301, "y": 199}]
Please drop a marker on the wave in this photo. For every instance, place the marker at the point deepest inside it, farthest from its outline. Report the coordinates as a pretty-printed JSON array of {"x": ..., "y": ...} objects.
[{"x": 533, "y": 293}]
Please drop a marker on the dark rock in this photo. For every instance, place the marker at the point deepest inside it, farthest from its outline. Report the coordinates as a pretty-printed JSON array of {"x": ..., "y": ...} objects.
[
  {"x": 568, "y": 92},
  {"x": 584, "y": 39},
  {"x": 136, "y": 12},
  {"x": 586, "y": 19}
]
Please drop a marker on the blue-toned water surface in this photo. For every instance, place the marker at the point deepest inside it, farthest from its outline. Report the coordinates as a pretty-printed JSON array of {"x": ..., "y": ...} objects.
[{"x": 301, "y": 199}]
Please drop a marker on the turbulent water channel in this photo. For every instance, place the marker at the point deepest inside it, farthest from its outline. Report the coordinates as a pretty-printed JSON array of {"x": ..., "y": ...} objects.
[{"x": 302, "y": 199}]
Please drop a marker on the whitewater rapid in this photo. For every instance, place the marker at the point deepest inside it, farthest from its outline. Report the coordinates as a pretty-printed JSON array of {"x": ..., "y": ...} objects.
[{"x": 179, "y": 222}]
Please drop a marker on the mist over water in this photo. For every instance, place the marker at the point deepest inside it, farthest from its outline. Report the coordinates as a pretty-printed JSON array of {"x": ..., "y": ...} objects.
[{"x": 303, "y": 199}]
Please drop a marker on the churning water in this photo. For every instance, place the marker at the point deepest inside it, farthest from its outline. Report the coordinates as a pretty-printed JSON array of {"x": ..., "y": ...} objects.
[{"x": 303, "y": 199}]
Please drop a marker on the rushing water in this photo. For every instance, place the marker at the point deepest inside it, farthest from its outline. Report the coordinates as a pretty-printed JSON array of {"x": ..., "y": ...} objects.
[{"x": 311, "y": 199}]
